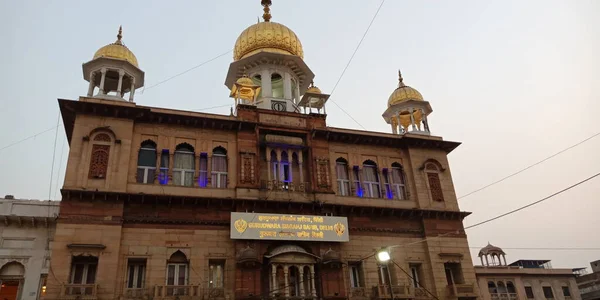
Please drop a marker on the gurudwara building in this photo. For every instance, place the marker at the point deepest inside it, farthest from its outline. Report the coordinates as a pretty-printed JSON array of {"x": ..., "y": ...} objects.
[{"x": 267, "y": 202}]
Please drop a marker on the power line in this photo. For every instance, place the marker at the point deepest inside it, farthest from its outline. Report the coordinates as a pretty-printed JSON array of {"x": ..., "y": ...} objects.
[
  {"x": 213, "y": 107},
  {"x": 529, "y": 167},
  {"x": 53, "y": 157},
  {"x": 502, "y": 215},
  {"x": 186, "y": 71},
  {"x": 350, "y": 60},
  {"x": 546, "y": 248},
  {"x": 29, "y": 137},
  {"x": 533, "y": 203}
]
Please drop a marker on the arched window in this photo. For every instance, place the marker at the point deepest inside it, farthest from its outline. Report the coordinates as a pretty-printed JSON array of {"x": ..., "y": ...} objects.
[
  {"x": 277, "y": 85},
  {"x": 146, "y": 162},
  {"x": 433, "y": 177},
  {"x": 501, "y": 288},
  {"x": 371, "y": 179},
  {"x": 528, "y": 290},
  {"x": 492, "y": 288},
  {"x": 177, "y": 274},
  {"x": 341, "y": 171},
  {"x": 510, "y": 287},
  {"x": 99, "y": 156},
  {"x": 398, "y": 181},
  {"x": 219, "y": 168},
  {"x": 286, "y": 168},
  {"x": 183, "y": 165}
]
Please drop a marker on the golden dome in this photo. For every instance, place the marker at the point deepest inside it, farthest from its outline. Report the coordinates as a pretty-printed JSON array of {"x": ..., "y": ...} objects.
[
  {"x": 117, "y": 50},
  {"x": 313, "y": 89},
  {"x": 267, "y": 36},
  {"x": 245, "y": 81},
  {"x": 403, "y": 93}
]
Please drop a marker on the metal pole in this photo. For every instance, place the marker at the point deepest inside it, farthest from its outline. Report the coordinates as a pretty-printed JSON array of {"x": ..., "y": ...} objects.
[{"x": 390, "y": 282}]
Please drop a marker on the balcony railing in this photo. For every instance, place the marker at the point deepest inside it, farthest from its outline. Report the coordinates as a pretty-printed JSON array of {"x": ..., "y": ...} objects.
[
  {"x": 461, "y": 290},
  {"x": 135, "y": 293},
  {"x": 358, "y": 292},
  {"x": 79, "y": 291},
  {"x": 382, "y": 291},
  {"x": 505, "y": 296},
  {"x": 274, "y": 185},
  {"x": 165, "y": 291}
]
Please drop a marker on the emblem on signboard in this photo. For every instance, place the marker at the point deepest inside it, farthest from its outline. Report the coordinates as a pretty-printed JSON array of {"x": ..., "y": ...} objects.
[
  {"x": 240, "y": 225},
  {"x": 339, "y": 228}
]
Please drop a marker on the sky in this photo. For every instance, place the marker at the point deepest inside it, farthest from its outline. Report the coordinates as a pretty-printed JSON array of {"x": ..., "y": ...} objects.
[{"x": 514, "y": 81}]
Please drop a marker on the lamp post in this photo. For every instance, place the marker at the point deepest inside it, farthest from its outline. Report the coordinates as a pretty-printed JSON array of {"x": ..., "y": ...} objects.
[{"x": 383, "y": 257}]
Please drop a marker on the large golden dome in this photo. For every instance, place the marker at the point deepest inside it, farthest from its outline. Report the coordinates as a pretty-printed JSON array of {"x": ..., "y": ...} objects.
[
  {"x": 403, "y": 93},
  {"x": 269, "y": 37},
  {"x": 117, "y": 50}
]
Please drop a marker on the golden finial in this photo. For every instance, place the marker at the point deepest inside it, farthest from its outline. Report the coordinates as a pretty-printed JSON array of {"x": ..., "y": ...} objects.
[
  {"x": 266, "y": 9},
  {"x": 119, "y": 35},
  {"x": 400, "y": 79},
  {"x": 312, "y": 83}
]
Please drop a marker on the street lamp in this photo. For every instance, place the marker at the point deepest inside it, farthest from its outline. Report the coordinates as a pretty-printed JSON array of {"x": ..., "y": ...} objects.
[{"x": 383, "y": 257}]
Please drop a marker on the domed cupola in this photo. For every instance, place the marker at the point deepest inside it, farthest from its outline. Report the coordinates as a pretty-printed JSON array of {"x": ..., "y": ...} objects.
[
  {"x": 407, "y": 111},
  {"x": 114, "y": 70},
  {"x": 495, "y": 253},
  {"x": 271, "y": 55}
]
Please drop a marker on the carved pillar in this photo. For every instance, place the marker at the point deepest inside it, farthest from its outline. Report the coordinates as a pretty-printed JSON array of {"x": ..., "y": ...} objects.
[
  {"x": 132, "y": 89},
  {"x": 504, "y": 256},
  {"x": 487, "y": 263},
  {"x": 412, "y": 119},
  {"x": 301, "y": 279},
  {"x": 287, "y": 86},
  {"x": 481, "y": 257},
  {"x": 273, "y": 279},
  {"x": 120, "y": 85},
  {"x": 265, "y": 77},
  {"x": 425, "y": 123},
  {"x": 91, "y": 87},
  {"x": 313, "y": 289},
  {"x": 299, "y": 154},
  {"x": 278, "y": 169},
  {"x": 170, "y": 171},
  {"x": 287, "y": 282},
  {"x": 102, "y": 79},
  {"x": 196, "y": 169}
]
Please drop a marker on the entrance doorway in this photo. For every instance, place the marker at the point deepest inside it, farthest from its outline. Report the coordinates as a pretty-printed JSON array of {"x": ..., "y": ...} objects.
[
  {"x": 11, "y": 277},
  {"x": 9, "y": 290}
]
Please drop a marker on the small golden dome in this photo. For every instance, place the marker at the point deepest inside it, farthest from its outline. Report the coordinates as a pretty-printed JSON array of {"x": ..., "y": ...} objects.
[
  {"x": 117, "y": 50},
  {"x": 313, "y": 89},
  {"x": 245, "y": 81},
  {"x": 403, "y": 93},
  {"x": 267, "y": 36}
]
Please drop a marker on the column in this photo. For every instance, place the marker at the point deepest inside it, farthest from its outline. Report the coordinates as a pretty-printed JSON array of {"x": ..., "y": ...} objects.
[
  {"x": 278, "y": 169},
  {"x": 265, "y": 82},
  {"x": 91, "y": 87},
  {"x": 487, "y": 263},
  {"x": 287, "y": 86},
  {"x": 287, "y": 282},
  {"x": 273, "y": 279},
  {"x": 424, "y": 120},
  {"x": 299, "y": 154},
  {"x": 132, "y": 89},
  {"x": 301, "y": 280},
  {"x": 324, "y": 111},
  {"x": 269, "y": 164},
  {"x": 313, "y": 290},
  {"x": 481, "y": 257},
  {"x": 170, "y": 171},
  {"x": 120, "y": 85},
  {"x": 400, "y": 128},
  {"x": 504, "y": 256},
  {"x": 412, "y": 119},
  {"x": 102, "y": 79}
]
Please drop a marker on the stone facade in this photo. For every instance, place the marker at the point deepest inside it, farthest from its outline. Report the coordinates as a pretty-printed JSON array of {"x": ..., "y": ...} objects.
[
  {"x": 26, "y": 230},
  {"x": 111, "y": 222},
  {"x": 589, "y": 284}
]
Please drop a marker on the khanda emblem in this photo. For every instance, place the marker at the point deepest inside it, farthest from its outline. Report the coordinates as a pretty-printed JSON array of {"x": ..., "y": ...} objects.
[
  {"x": 240, "y": 225},
  {"x": 339, "y": 228}
]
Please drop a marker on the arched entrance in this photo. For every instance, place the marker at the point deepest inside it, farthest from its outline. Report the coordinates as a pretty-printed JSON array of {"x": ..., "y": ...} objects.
[
  {"x": 292, "y": 272},
  {"x": 11, "y": 276}
]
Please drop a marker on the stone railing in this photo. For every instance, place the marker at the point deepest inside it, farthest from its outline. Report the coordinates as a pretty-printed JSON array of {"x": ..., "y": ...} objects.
[
  {"x": 274, "y": 185},
  {"x": 506, "y": 296},
  {"x": 358, "y": 292},
  {"x": 382, "y": 291},
  {"x": 79, "y": 291},
  {"x": 135, "y": 293},
  {"x": 461, "y": 290},
  {"x": 168, "y": 291}
]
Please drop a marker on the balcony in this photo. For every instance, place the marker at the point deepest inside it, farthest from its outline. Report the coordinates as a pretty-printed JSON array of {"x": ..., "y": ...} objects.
[
  {"x": 274, "y": 185},
  {"x": 382, "y": 291},
  {"x": 177, "y": 292},
  {"x": 132, "y": 294},
  {"x": 508, "y": 296},
  {"x": 461, "y": 290},
  {"x": 358, "y": 293},
  {"x": 79, "y": 291}
]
